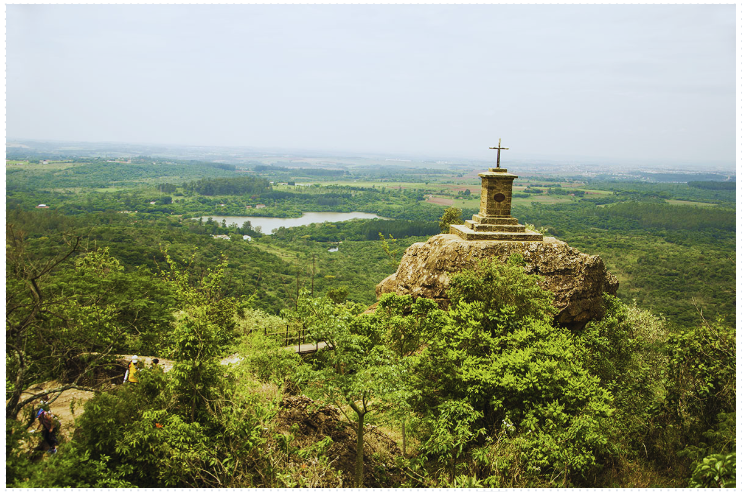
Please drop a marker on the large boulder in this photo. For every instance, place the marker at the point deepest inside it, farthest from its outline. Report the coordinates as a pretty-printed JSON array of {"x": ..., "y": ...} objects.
[{"x": 577, "y": 280}]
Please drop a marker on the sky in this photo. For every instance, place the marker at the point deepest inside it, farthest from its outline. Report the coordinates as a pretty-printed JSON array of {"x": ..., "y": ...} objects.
[{"x": 620, "y": 82}]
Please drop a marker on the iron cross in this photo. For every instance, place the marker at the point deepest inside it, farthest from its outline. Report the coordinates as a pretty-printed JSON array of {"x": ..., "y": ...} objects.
[{"x": 499, "y": 148}]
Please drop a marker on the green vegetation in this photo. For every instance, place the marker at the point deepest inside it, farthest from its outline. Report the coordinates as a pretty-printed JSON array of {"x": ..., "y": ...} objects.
[
  {"x": 713, "y": 185},
  {"x": 97, "y": 173},
  {"x": 248, "y": 185},
  {"x": 666, "y": 256},
  {"x": 450, "y": 216},
  {"x": 490, "y": 392}
]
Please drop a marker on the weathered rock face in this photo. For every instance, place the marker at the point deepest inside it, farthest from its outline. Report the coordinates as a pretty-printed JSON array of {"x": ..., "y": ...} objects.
[{"x": 577, "y": 280}]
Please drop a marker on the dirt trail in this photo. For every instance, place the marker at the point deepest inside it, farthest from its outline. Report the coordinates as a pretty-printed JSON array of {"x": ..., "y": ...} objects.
[
  {"x": 440, "y": 201},
  {"x": 298, "y": 416},
  {"x": 63, "y": 406}
]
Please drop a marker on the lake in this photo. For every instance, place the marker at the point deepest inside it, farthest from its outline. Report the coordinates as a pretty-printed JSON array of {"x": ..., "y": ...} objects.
[{"x": 268, "y": 224}]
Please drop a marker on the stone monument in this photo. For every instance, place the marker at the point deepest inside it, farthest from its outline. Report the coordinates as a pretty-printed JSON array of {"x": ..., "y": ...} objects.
[
  {"x": 578, "y": 281},
  {"x": 494, "y": 222}
]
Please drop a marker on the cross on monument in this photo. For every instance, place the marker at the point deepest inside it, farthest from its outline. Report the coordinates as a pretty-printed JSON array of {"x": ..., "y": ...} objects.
[{"x": 499, "y": 148}]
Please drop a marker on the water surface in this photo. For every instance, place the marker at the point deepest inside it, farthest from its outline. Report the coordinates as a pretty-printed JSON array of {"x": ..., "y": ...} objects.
[{"x": 269, "y": 224}]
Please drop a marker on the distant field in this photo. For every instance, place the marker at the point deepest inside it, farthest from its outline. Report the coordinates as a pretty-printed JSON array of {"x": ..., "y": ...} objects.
[
  {"x": 687, "y": 202},
  {"x": 474, "y": 201},
  {"x": 546, "y": 199},
  {"x": 51, "y": 166},
  {"x": 446, "y": 202},
  {"x": 471, "y": 202},
  {"x": 85, "y": 190},
  {"x": 596, "y": 192},
  {"x": 431, "y": 185},
  {"x": 112, "y": 188},
  {"x": 445, "y": 190},
  {"x": 368, "y": 184},
  {"x": 289, "y": 256}
]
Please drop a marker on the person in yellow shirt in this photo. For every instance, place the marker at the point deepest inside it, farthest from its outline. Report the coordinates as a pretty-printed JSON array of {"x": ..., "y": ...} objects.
[{"x": 131, "y": 375}]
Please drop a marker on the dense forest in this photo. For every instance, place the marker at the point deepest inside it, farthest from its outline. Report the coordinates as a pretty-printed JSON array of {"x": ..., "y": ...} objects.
[{"x": 489, "y": 392}]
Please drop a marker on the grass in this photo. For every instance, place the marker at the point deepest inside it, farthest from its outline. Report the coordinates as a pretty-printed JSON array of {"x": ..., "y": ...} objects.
[
  {"x": 628, "y": 473},
  {"x": 473, "y": 201},
  {"x": 687, "y": 202},
  {"x": 52, "y": 166},
  {"x": 108, "y": 190},
  {"x": 284, "y": 254},
  {"x": 448, "y": 186},
  {"x": 545, "y": 199},
  {"x": 596, "y": 192},
  {"x": 377, "y": 184}
]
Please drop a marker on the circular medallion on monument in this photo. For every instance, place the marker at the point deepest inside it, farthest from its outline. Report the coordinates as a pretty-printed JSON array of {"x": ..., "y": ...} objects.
[{"x": 499, "y": 197}]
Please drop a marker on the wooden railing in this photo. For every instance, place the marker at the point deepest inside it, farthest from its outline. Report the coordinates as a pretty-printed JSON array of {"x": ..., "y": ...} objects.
[{"x": 294, "y": 334}]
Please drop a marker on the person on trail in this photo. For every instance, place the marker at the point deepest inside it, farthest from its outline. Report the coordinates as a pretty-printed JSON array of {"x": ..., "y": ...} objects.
[
  {"x": 156, "y": 364},
  {"x": 131, "y": 375},
  {"x": 44, "y": 403},
  {"x": 48, "y": 429}
]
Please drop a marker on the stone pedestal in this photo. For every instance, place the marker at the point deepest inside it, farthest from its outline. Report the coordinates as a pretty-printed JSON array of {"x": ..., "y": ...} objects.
[{"x": 494, "y": 222}]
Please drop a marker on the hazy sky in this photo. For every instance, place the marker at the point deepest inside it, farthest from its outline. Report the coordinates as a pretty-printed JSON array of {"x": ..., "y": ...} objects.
[{"x": 623, "y": 82}]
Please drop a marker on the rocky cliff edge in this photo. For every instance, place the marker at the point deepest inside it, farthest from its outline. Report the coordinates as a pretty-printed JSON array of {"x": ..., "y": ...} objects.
[{"x": 577, "y": 280}]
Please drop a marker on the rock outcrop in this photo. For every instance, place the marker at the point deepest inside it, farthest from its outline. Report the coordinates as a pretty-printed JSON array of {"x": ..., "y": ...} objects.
[{"x": 577, "y": 280}]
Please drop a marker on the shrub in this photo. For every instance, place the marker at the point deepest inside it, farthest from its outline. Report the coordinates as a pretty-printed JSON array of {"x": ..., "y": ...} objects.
[{"x": 499, "y": 352}]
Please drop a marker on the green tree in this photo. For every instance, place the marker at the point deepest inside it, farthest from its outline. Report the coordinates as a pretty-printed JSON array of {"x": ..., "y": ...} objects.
[
  {"x": 451, "y": 215},
  {"x": 352, "y": 371},
  {"x": 626, "y": 350},
  {"x": 197, "y": 425},
  {"x": 452, "y": 429},
  {"x": 701, "y": 396},
  {"x": 390, "y": 249},
  {"x": 206, "y": 325},
  {"x": 64, "y": 316},
  {"x": 405, "y": 325},
  {"x": 501, "y": 354},
  {"x": 504, "y": 294}
]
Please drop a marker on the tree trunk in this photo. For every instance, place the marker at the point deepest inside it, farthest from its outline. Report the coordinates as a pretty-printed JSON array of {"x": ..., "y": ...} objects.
[
  {"x": 12, "y": 408},
  {"x": 404, "y": 438},
  {"x": 359, "y": 450}
]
